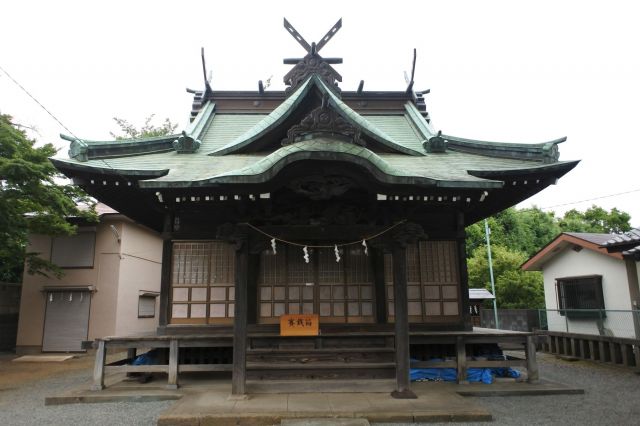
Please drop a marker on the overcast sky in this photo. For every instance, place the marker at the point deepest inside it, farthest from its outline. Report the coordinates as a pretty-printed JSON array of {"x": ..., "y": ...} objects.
[{"x": 508, "y": 71}]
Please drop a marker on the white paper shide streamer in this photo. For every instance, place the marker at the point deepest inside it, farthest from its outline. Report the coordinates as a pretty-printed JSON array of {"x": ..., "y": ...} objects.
[
  {"x": 337, "y": 252},
  {"x": 366, "y": 249},
  {"x": 273, "y": 245},
  {"x": 306, "y": 254}
]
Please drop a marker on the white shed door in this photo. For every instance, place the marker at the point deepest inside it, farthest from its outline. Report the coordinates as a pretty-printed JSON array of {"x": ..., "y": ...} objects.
[{"x": 66, "y": 321}]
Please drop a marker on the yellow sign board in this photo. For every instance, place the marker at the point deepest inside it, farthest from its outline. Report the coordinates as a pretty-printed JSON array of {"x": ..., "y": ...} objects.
[{"x": 299, "y": 325}]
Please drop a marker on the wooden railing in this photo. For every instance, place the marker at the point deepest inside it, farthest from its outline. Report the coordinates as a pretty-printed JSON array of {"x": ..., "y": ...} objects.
[
  {"x": 171, "y": 368},
  {"x": 605, "y": 349},
  {"x": 172, "y": 365}
]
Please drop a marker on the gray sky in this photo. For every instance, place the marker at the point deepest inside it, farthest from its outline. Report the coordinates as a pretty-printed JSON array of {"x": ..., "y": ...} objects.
[{"x": 513, "y": 71}]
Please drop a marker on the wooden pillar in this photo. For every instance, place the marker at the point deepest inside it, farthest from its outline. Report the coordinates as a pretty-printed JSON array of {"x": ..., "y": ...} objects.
[
  {"x": 131, "y": 355},
  {"x": 461, "y": 358},
  {"x": 379, "y": 284},
  {"x": 252, "y": 287},
  {"x": 238, "y": 379},
  {"x": 165, "y": 277},
  {"x": 401, "y": 323},
  {"x": 532, "y": 364},
  {"x": 464, "y": 276},
  {"x": 98, "y": 368},
  {"x": 172, "y": 382}
]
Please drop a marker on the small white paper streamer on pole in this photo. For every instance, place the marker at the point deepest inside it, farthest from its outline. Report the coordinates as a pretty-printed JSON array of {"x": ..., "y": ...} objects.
[
  {"x": 306, "y": 254},
  {"x": 337, "y": 252},
  {"x": 273, "y": 245},
  {"x": 366, "y": 249}
]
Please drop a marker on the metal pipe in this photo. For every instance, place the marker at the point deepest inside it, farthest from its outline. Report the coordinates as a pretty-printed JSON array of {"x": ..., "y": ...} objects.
[{"x": 487, "y": 232}]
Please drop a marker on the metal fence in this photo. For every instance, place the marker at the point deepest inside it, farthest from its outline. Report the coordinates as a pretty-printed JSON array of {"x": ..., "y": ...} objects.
[{"x": 599, "y": 322}]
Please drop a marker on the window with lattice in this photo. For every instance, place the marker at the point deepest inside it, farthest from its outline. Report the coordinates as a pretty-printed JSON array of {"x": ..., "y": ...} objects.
[
  {"x": 202, "y": 282},
  {"x": 336, "y": 291},
  {"x": 433, "y": 284}
]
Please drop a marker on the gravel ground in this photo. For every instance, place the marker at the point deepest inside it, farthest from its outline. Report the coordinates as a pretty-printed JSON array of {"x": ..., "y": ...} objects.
[
  {"x": 23, "y": 404},
  {"x": 612, "y": 396}
]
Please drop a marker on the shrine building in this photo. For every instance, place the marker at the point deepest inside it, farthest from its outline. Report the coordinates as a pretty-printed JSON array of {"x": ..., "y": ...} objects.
[{"x": 342, "y": 209}]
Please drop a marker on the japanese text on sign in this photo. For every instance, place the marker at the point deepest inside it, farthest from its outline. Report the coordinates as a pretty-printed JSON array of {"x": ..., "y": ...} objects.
[{"x": 299, "y": 325}]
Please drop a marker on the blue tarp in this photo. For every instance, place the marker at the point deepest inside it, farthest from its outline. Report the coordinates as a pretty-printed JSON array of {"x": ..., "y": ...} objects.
[
  {"x": 484, "y": 375},
  {"x": 147, "y": 358}
]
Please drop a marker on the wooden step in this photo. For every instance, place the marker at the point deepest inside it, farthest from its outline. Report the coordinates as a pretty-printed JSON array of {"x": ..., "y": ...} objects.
[
  {"x": 317, "y": 365},
  {"x": 260, "y": 351},
  {"x": 307, "y": 356}
]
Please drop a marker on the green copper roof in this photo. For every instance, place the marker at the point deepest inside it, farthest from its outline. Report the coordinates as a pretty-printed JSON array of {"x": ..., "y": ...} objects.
[
  {"x": 390, "y": 168},
  {"x": 284, "y": 110},
  {"x": 222, "y": 157}
]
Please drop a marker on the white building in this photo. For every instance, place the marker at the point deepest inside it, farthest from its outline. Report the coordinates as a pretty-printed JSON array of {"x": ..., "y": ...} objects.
[{"x": 588, "y": 288}]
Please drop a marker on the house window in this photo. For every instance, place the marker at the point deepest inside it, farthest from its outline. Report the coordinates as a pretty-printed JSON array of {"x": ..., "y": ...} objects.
[
  {"x": 74, "y": 251},
  {"x": 580, "y": 293},
  {"x": 147, "y": 304}
]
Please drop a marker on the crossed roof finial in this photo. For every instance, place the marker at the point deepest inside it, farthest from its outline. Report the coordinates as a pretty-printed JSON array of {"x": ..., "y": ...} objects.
[
  {"x": 312, "y": 62},
  {"x": 313, "y": 48}
]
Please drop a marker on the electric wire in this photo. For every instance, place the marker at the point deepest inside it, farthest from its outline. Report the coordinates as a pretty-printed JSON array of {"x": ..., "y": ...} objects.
[
  {"x": 591, "y": 199},
  {"x": 38, "y": 102}
]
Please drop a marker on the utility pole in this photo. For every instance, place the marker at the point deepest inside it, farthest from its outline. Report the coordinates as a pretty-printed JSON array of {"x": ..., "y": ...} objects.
[{"x": 487, "y": 232}]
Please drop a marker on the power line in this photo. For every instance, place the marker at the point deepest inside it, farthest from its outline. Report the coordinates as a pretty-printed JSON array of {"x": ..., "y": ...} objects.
[
  {"x": 38, "y": 102},
  {"x": 591, "y": 199},
  {"x": 54, "y": 117}
]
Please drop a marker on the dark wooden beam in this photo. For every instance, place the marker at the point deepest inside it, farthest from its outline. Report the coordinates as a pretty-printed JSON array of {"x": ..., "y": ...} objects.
[
  {"x": 295, "y": 61},
  {"x": 239, "y": 371},
  {"x": 329, "y": 35},
  {"x": 379, "y": 285},
  {"x": 464, "y": 276},
  {"x": 165, "y": 277},
  {"x": 252, "y": 288},
  {"x": 401, "y": 323}
]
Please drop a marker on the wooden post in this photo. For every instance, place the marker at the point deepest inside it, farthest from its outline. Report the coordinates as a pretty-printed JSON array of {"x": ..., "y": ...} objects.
[
  {"x": 380, "y": 288},
  {"x": 238, "y": 379},
  {"x": 612, "y": 352},
  {"x": 173, "y": 364},
  {"x": 464, "y": 275},
  {"x": 401, "y": 324},
  {"x": 131, "y": 353},
  {"x": 165, "y": 277},
  {"x": 98, "y": 368},
  {"x": 461, "y": 357},
  {"x": 602, "y": 355},
  {"x": 592, "y": 351},
  {"x": 532, "y": 364},
  {"x": 583, "y": 351}
]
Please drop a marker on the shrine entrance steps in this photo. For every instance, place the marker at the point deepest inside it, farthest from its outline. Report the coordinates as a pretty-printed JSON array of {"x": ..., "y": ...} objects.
[{"x": 326, "y": 357}]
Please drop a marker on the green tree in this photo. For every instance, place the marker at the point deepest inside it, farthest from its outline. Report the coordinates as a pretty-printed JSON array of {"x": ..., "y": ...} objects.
[
  {"x": 148, "y": 130},
  {"x": 515, "y": 288},
  {"x": 31, "y": 201},
  {"x": 525, "y": 230},
  {"x": 520, "y": 290},
  {"x": 595, "y": 219}
]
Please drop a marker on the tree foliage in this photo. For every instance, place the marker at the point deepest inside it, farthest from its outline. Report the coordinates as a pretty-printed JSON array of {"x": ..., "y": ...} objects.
[
  {"x": 597, "y": 220},
  {"x": 32, "y": 202},
  {"x": 148, "y": 130},
  {"x": 517, "y": 235}
]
